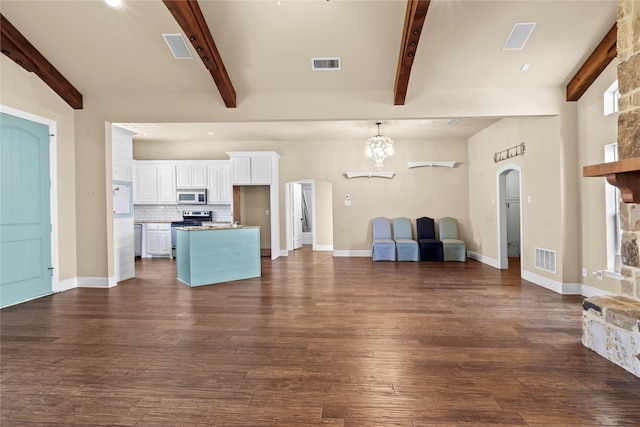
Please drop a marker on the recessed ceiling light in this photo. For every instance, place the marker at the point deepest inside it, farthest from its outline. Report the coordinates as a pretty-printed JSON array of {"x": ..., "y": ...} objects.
[
  {"x": 209, "y": 133},
  {"x": 113, "y": 3},
  {"x": 525, "y": 66}
]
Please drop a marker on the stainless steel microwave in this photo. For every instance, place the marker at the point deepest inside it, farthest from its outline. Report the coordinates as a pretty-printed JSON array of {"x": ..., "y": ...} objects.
[{"x": 191, "y": 197}]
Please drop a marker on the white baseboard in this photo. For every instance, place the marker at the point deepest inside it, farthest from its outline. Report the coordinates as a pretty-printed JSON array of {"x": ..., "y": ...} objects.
[
  {"x": 96, "y": 282},
  {"x": 343, "y": 253},
  {"x": 65, "y": 285},
  {"x": 322, "y": 247},
  {"x": 484, "y": 259},
  {"x": 553, "y": 285},
  {"x": 284, "y": 252}
]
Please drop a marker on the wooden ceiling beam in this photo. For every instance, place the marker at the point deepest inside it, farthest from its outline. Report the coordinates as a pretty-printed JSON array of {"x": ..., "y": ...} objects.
[
  {"x": 190, "y": 18},
  {"x": 413, "y": 23},
  {"x": 594, "y": 65},
  {"x": 16, "y": 46}
]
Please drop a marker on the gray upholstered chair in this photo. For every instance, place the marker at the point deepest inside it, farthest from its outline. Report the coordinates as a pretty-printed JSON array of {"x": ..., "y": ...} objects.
[
  {"x": 406, "y": 248},
  {"x": 384, "y": 248},
  {"x": 454, "y": 249}
]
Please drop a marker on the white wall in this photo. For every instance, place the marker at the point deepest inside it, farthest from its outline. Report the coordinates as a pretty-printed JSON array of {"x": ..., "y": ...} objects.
[{"x": 123, "y": 238}]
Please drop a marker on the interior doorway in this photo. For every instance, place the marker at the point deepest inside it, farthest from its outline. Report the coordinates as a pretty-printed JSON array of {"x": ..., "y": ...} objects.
[
  {"x": 510, "y": 237},
  {"x": 309, "y": 215}
]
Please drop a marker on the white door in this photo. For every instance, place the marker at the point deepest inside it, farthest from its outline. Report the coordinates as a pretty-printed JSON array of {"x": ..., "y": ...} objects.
[{"x": 297, "y": 215}]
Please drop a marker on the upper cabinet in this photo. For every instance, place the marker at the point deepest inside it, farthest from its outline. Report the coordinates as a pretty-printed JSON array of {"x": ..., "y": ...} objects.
[
  {"x": 241, "y": 170},
  {"x": 154, "y": 182},
  {"x": 253, "y": 168},
  {"x": 191, "y": 175},
  {"x": 220, "y": 189}
]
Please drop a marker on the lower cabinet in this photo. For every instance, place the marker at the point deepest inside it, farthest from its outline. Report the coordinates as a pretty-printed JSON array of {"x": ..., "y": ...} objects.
[{"x": 156, "y": 240}]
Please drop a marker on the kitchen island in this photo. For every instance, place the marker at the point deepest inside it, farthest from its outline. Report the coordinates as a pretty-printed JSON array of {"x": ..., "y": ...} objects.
[{"x": 214, "y": 254}]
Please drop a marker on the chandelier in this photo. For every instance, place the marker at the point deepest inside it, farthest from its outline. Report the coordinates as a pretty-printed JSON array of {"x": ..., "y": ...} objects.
[{"x": 378, "y": 147}]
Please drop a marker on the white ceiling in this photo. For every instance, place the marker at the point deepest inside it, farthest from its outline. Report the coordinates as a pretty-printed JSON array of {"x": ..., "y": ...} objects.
[{"x": 267, "y": 48}]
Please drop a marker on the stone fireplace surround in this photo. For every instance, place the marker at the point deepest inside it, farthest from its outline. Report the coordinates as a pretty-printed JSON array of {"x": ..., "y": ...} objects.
[{"x": 611, "y": 324}]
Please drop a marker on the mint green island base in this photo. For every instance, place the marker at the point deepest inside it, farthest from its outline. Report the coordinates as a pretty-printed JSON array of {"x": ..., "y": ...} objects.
[{"x": 208, "y": 255}]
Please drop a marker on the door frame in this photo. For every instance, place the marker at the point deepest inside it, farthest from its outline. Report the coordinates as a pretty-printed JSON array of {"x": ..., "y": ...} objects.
[
  {"x": 53, "y": 190},
  {"x": 289, "y": 211},
  {"x": 501, "y": 191}
]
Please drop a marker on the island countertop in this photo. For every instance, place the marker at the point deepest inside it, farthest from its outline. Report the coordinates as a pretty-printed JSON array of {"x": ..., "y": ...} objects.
[{"x": 216, "y": 227}]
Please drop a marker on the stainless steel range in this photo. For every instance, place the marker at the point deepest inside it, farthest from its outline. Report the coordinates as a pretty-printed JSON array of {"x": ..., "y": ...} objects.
[{"x": 189, "y": 219}]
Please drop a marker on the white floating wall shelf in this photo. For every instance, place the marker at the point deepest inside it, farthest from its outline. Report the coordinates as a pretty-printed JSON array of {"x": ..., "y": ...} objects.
[
  {"x": 421, "y": 164},
  {"x": 369, "y": 175}
]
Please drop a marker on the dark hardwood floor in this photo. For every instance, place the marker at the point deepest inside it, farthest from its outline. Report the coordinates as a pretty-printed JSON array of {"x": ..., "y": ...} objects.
[{"x": 316, "y": 341}]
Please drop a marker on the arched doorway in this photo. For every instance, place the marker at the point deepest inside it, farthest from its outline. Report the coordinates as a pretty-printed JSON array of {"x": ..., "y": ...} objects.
[{"x": 510, "y": 236}]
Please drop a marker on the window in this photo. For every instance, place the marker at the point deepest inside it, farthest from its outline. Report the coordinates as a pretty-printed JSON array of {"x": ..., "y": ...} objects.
[
  {"x": 611, "y": 98},
  {"x": 614, "y": 231}
]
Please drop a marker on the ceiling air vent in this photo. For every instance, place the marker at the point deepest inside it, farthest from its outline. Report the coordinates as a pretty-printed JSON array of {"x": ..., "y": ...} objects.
[
  {"x": 325, "y": 64},
  {"x": 519, "y": 35},
  {"x": 178, "y": 46}
]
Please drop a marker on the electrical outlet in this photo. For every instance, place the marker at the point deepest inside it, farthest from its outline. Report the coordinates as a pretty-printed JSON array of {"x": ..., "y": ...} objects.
[
  {"x": 266, "y": 212},
  {"x": 599, "y": 274},
  {"x": 584, "y": 272}
]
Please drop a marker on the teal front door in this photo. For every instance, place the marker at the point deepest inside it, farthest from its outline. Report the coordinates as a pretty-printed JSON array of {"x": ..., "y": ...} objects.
[{"x": 25, "y": 225}]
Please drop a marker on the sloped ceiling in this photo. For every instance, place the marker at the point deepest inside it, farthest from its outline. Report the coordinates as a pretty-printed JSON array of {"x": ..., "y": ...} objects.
[{"x": 267, "y": 48}]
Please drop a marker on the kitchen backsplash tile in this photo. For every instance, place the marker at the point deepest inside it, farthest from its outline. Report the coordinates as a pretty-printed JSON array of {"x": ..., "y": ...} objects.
[{"x": 221, "y": 213}]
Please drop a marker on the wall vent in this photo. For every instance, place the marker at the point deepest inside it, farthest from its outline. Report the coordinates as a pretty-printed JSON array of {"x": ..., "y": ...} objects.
[
  {"x": 178, "y": 46},
  {"x": 545, "y": 260},
  {"x": 519, "y": 35},
  {"x": 326, "y": 64}
]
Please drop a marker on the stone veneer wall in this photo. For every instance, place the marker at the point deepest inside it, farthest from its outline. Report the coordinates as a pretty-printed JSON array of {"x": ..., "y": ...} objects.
[
  {"x": 611, "y": 324},
  {"x": 628, "y": 46}
]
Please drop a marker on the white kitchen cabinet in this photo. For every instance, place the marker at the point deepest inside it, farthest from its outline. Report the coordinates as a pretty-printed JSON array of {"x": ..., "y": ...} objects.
[
  {"x": 220, "y": 190},
  {"x": 251, "y": 168},
  {"x": 261, "y": 170},
  {"x": 191, "y": 175},
  {"x": 166, "y": 184},
  {"x": 241, "y": 170},
  {"x": 154, "y": 182},
  {"x": 156, "y": 240},
  {"x": 146, "y": 182}
]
